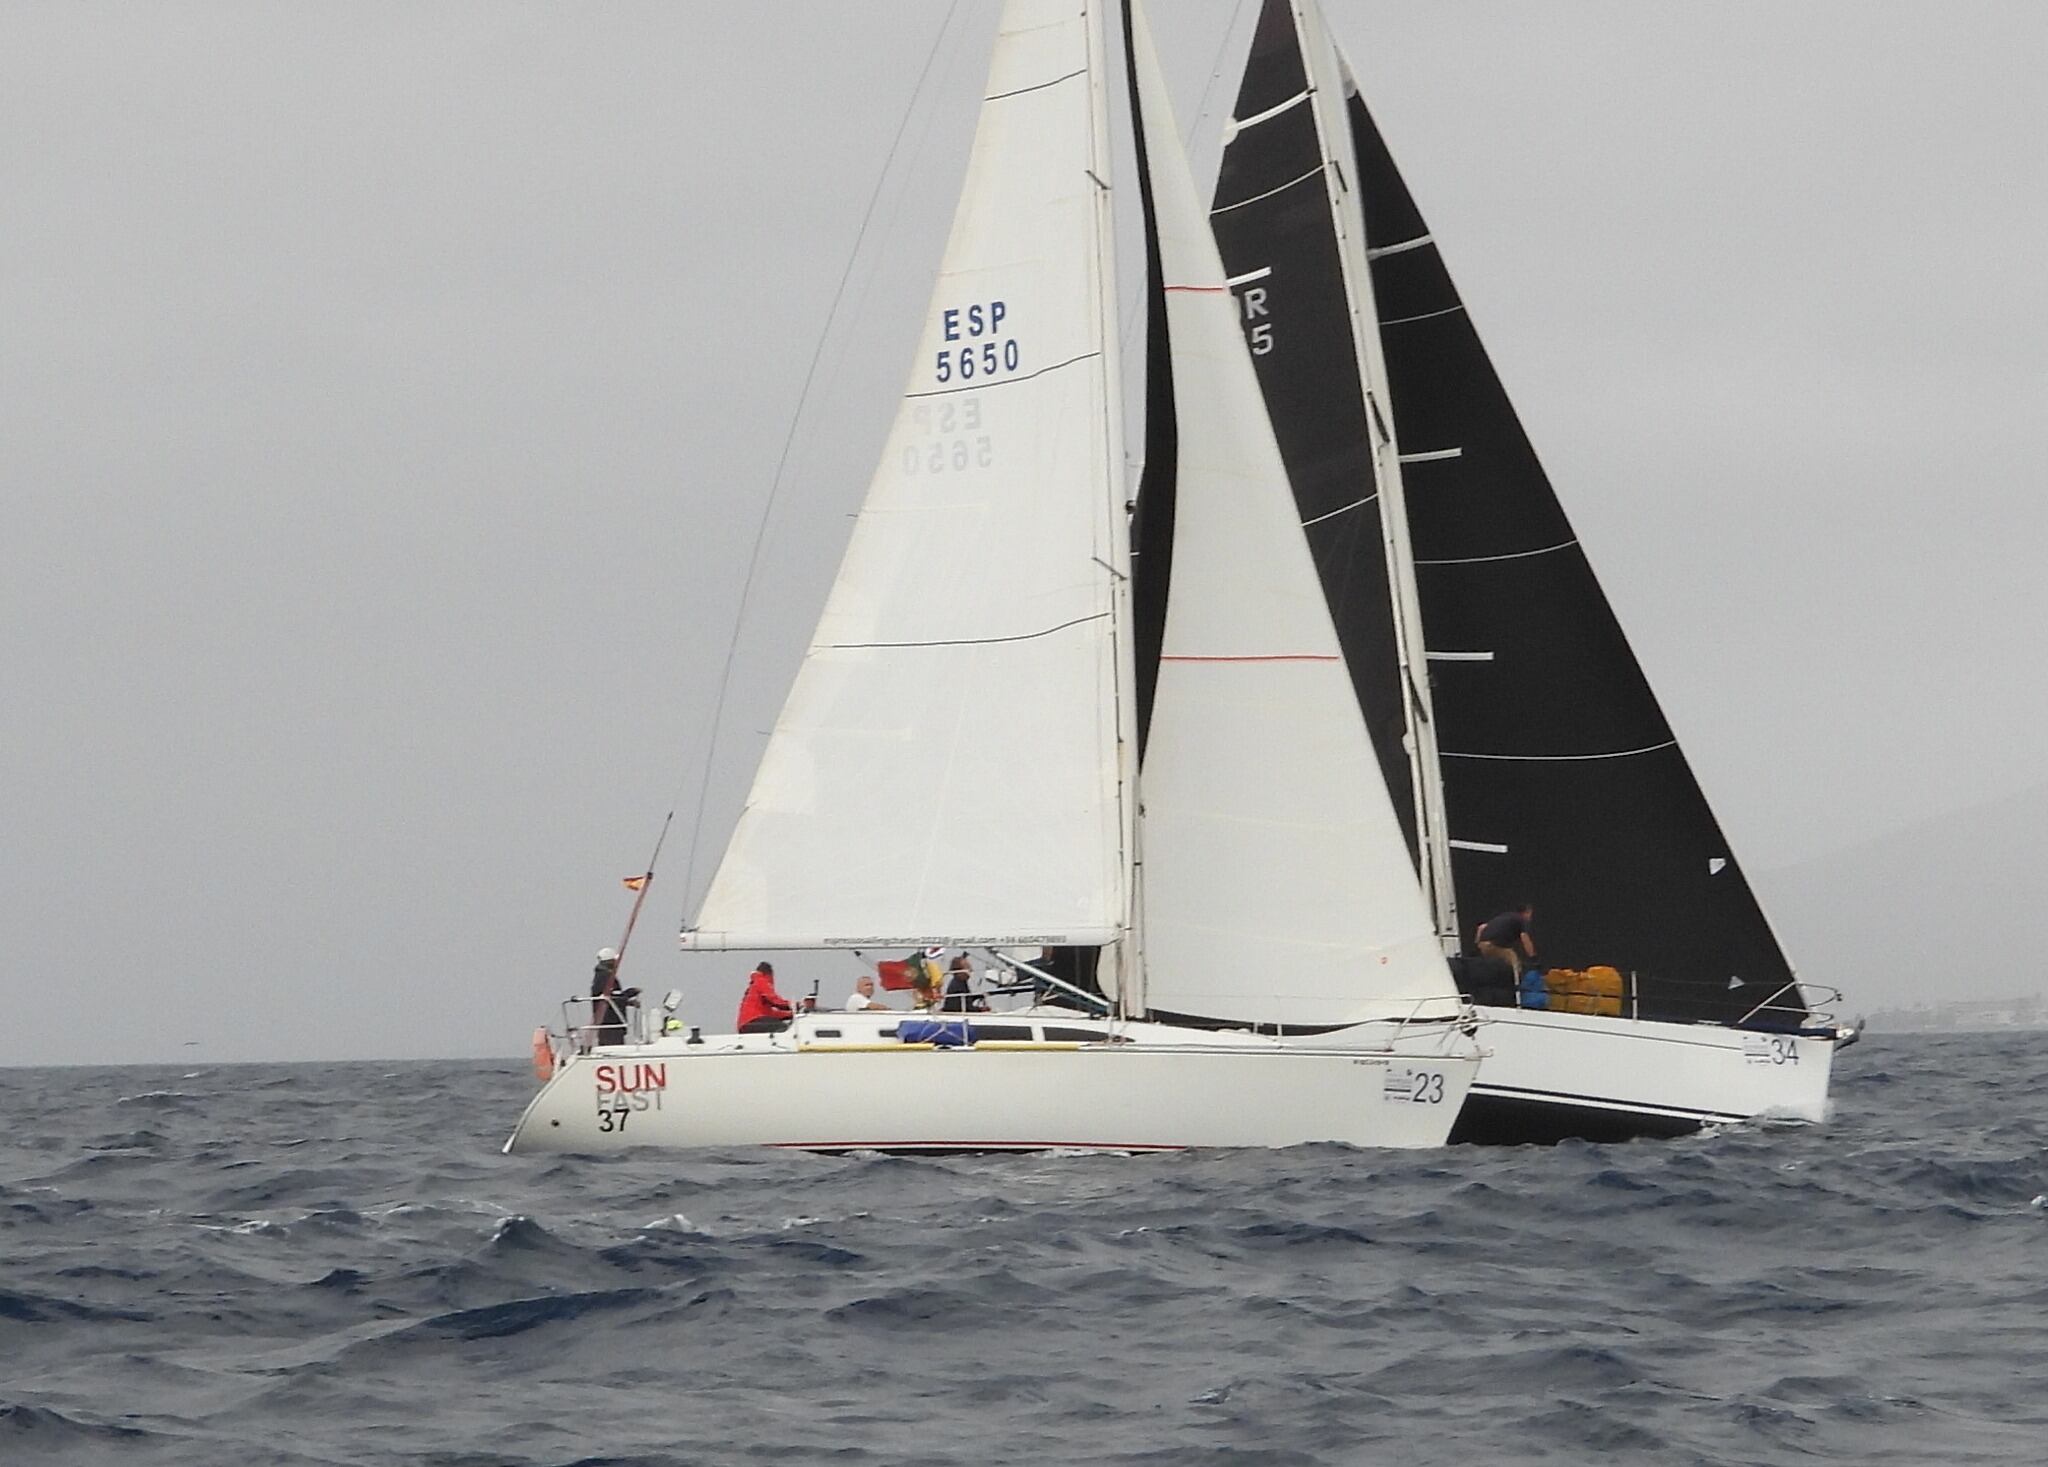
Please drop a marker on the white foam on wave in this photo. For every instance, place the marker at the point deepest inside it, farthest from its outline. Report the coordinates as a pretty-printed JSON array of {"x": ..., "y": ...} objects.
[
  {"x": 452, "y": 1204},
  {"x": 254, "y": 1227}
]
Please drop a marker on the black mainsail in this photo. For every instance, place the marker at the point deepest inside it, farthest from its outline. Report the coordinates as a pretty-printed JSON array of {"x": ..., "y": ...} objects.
[
  {"x": 1563, "y": 783},
  {"x": 1152, "y": 519}
]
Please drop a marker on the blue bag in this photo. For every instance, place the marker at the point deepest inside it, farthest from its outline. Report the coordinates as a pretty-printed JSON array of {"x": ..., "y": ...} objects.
[{"x": 945, "y": 1033}]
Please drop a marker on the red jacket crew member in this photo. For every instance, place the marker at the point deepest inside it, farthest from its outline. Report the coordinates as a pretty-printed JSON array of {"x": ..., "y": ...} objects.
[{"x": 763, "y": 1009}]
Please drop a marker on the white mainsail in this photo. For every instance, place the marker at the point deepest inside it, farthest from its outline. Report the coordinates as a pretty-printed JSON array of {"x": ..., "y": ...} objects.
[
  {"x": 1277, "y": 883},
  {"x": 946, "y": 768}
]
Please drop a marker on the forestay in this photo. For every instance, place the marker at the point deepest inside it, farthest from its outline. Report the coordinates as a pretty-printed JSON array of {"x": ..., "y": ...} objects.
[
  {"x": 946, "y": 766},
  {"x": 1278, "y": 885}
]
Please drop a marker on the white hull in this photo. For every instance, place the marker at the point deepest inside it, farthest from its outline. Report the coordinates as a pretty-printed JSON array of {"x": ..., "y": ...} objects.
[
  {"x": 1550, "y": 1075},
  {"x": 833, "y": 1083}
]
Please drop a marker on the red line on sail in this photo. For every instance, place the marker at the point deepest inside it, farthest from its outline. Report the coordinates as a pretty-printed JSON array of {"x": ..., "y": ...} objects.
[
  {"x": 1201, "y": 289},
  {"x": 1267, "y": 657}
]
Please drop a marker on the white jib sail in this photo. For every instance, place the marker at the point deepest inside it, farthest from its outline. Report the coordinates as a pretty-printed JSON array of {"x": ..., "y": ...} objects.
[
  {"x": 1330, "y": 75},
  {"x": 1277, "y": 884},
  {"x": 945, "y": 768}
]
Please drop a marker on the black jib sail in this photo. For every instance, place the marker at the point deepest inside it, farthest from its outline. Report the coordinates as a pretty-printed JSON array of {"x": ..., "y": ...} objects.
[{"x": 1563, "y": 784}]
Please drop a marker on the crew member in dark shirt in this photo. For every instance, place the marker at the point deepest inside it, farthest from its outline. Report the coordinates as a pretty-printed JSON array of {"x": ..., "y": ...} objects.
[
  {"x": 1510, "y": 937},
  {"x": 608, "y": 1001},
  {"x": 960, "y": 997}
]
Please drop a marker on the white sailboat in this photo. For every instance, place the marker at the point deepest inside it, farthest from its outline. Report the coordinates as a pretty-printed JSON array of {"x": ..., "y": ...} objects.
[
  {"x": 1508, "y": 712},
  {"x": 957, "y": 762}
]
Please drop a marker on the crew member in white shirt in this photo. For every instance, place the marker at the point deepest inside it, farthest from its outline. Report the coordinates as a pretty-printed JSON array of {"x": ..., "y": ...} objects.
[{"x": 864, "y": 995}]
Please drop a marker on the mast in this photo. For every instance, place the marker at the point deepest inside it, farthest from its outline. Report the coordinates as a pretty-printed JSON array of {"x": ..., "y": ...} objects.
[
  {"x": 1322, "y": 67},
  {"x": 1126, "y": 987}
]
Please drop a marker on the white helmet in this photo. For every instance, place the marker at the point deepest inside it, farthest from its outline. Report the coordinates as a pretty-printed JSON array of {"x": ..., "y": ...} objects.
[{"x": 607, "y": 955}]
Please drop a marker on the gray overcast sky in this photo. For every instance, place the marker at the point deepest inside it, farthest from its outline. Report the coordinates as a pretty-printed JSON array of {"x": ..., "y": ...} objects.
[{"x": 389, "y": 397}]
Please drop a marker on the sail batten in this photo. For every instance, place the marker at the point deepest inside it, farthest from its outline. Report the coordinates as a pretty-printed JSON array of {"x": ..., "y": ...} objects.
[
  {"x": 987, "y": 386},
  {"x": 1273, "y": 192},
  {"x": 1565, "y": 758},
  {"x": 1079, "y": 621},
  {"x": 1078, "y": 72}
]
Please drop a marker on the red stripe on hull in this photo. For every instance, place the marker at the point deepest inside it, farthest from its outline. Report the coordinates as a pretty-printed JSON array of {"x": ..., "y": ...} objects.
[{"x": 976, "y": 1146}]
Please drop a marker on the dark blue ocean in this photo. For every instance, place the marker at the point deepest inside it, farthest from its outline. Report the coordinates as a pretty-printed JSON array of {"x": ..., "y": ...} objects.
[{"x": 334, "y": 1264}]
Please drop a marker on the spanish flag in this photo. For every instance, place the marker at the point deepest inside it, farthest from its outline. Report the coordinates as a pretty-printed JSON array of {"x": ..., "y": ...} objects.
[{"x": 634, "y": 883}]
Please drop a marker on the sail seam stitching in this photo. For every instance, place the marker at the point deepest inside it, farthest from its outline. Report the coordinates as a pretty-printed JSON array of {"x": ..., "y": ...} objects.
[
  {"x": 1344, "y": 509},
  {"x": 1511, "y": 555},
  {"x": 1315, "y": 172},
  {"x": 967, "y": 641},
  {"x": 1037, "y": 86},
  {"x": 1425, "y": 316},
  {"x": 1253, "y": 657},
  {"x": 987, "y": 386},
  {"x": 1562, "y": 758}
]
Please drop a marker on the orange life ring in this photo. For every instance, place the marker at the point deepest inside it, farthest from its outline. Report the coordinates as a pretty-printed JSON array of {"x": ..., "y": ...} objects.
[{"x": 543, "y": 1055}]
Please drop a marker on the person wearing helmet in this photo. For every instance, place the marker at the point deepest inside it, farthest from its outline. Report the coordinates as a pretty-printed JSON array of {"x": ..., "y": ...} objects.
[{"x": 609, "y": 1001}]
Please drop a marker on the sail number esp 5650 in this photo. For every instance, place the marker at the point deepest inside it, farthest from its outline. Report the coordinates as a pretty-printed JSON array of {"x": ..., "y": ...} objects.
[{"x": 976, "y": 345}]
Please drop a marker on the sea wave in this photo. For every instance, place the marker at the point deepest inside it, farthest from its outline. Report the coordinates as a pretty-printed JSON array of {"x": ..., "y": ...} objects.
[{"x": 288, "y": 1264}]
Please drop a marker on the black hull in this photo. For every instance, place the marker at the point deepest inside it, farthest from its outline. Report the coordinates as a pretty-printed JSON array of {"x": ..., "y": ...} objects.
[{"x": 1544, "y": 1120}]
